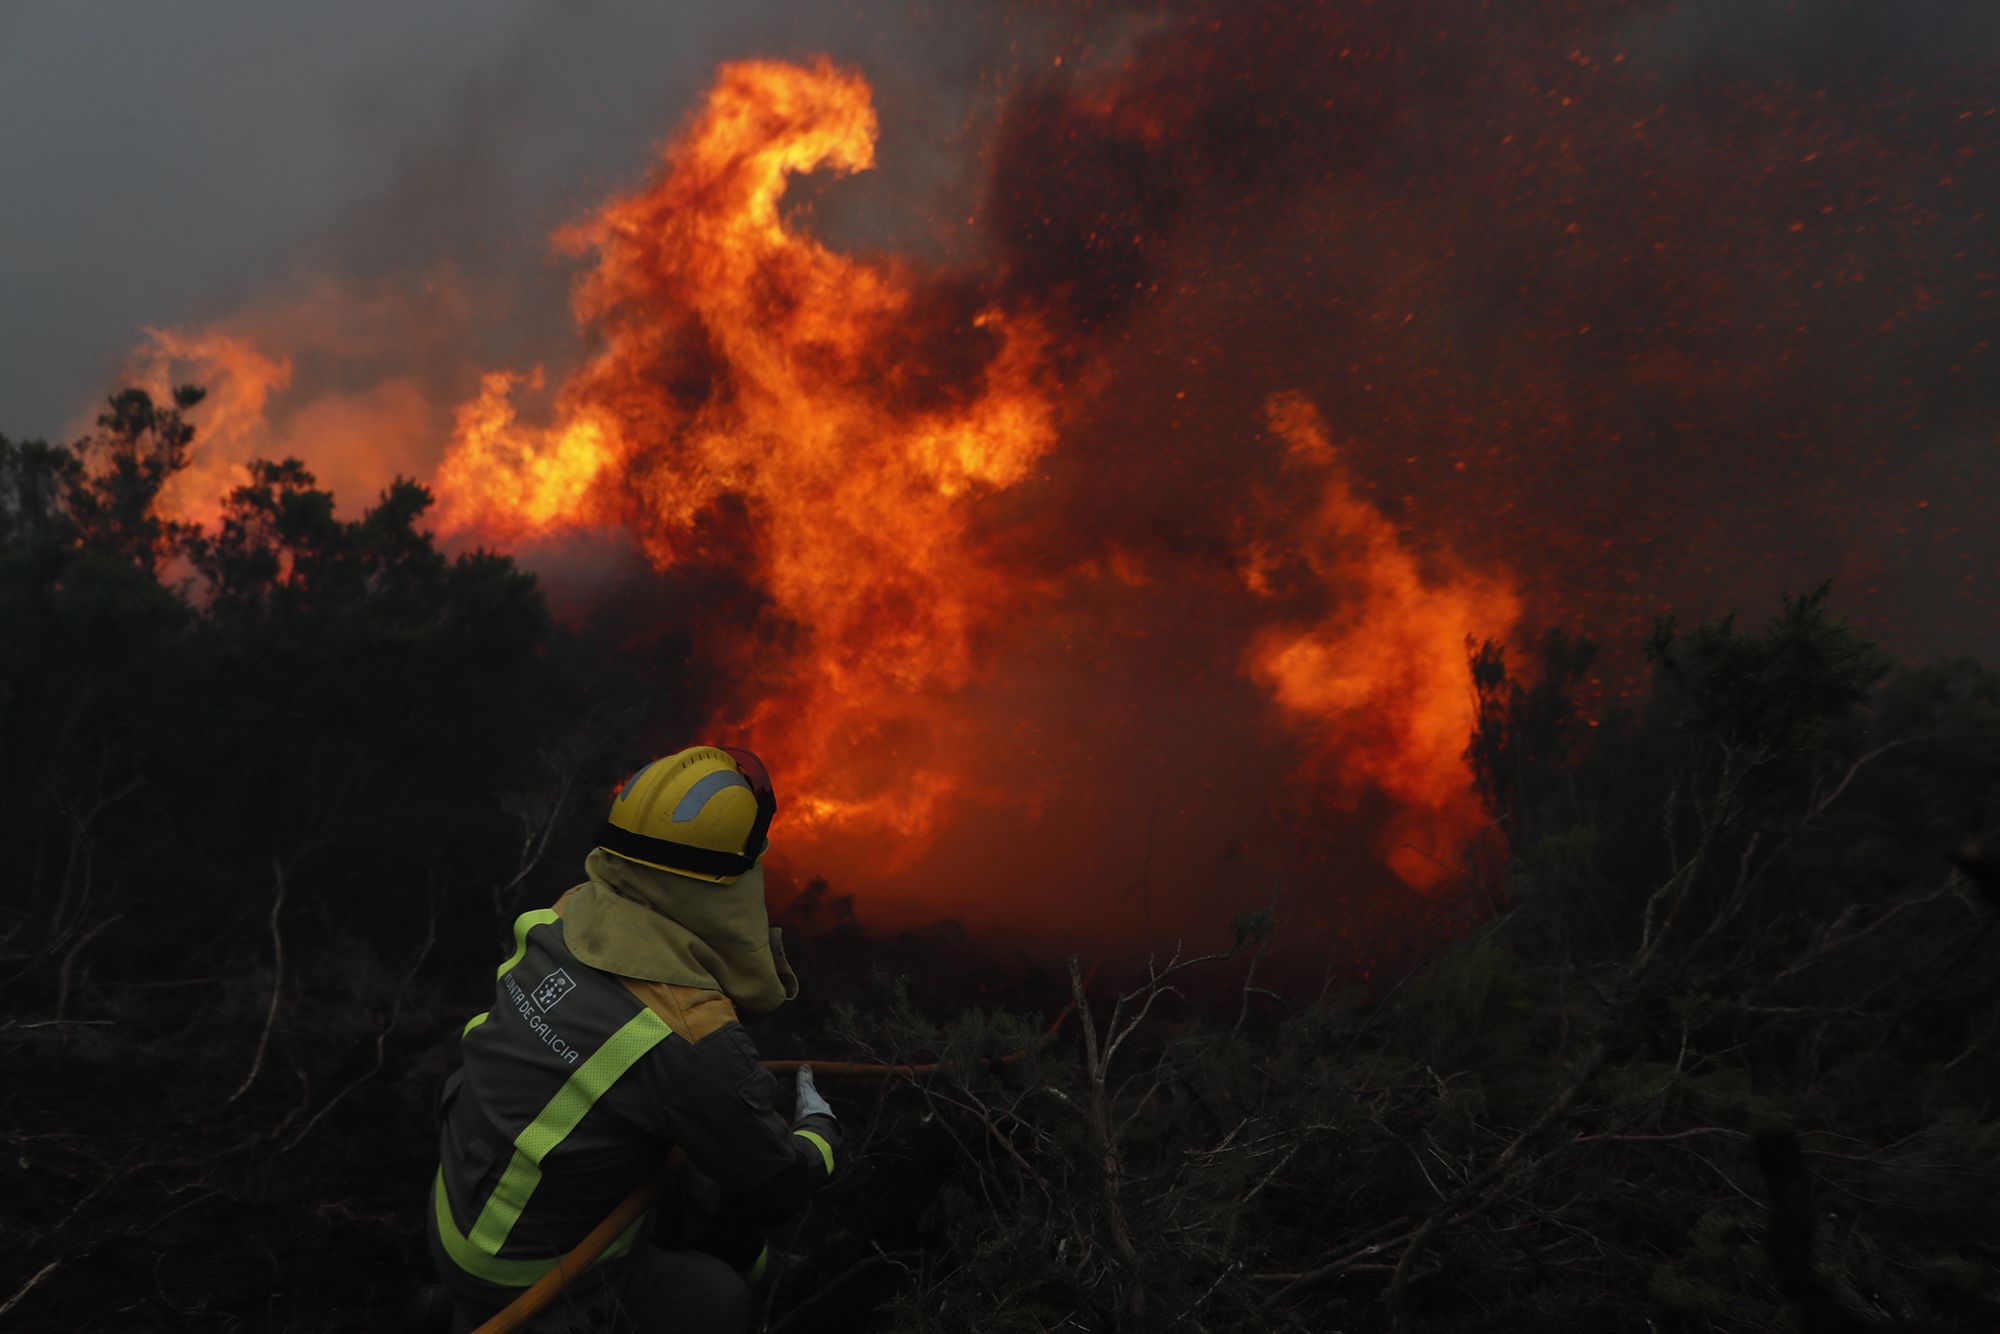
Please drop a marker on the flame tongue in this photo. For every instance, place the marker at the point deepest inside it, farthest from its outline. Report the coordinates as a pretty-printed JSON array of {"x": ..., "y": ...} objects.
[{"x": 1378, "y": 680}]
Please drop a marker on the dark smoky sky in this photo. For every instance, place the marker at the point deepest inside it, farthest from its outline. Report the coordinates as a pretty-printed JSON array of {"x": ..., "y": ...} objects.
[
  {"x": 1655, "y": 303},
  {"x": 1658, "y": 306},
  {"x": 169, "y": 165}
]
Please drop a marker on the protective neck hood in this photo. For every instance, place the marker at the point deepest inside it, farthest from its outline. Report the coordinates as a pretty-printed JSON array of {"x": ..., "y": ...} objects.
[{"x": 658, "y": 926}]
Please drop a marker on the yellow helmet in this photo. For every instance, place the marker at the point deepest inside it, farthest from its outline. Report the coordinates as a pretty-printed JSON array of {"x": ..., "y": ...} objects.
[{"x": 703, "y": 811}]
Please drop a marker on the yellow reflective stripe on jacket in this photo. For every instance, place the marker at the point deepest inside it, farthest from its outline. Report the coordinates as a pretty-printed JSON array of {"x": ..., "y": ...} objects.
[
  {"x": 474, "y": 1022},
  {"x": 523, "y": 924},
  {"x": 508, "y": 1273},
  {"x": 825, "y": 1149},
  {"x": 553, "y": 1124}
]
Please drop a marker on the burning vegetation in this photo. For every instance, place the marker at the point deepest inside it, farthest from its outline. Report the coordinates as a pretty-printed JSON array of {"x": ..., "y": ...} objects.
[
  {"x": 1170, "y": 552},
  {"x": 966, "y": 541},
  {"x": 1291, "y": 351}
]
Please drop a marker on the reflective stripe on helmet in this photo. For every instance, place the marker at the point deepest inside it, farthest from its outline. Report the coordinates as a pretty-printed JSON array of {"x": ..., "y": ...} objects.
[{"x": 696, "y": 797}]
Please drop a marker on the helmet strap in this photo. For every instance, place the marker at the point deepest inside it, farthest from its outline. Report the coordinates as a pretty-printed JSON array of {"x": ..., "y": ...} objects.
[{"x": 676, "y": 856}]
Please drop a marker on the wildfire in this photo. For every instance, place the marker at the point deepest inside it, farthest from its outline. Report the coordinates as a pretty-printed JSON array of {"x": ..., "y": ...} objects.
[
  {"x": 833, "y": 435},
  {"x": 1379, "y": 677},
  {"x": 978, "y": 555},
  {"x": 743, "y": 364}
]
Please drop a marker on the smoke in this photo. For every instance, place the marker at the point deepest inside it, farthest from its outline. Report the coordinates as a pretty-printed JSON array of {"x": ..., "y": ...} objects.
[
  {"x": 1679, "y": 295},
  {"x": 1084, "y": 436},
  {"x": 354, "y": 379}
]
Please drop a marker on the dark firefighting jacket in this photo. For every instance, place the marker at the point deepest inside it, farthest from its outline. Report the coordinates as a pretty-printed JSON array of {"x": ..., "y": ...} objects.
[{"x": 576, "y": 1085}]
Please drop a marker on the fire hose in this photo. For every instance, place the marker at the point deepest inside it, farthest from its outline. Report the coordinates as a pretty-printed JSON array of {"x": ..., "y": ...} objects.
[{"x": 629, "y": 1210}]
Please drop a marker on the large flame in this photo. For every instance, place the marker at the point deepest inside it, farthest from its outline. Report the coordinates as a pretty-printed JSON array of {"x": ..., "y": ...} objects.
[{"x": 745, "y": 365}]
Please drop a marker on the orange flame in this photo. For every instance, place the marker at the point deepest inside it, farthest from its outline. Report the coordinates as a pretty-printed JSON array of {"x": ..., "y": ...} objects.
[
  {"x": 745, "y": 364},
  {"x": 240, "y": 381},
  {"x": 503, "y": 478},
  {"x": 1380, "y": 679}
]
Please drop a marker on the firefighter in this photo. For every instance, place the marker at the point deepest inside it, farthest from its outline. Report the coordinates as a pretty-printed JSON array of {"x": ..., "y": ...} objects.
[{"x": 614, "y": 1037}]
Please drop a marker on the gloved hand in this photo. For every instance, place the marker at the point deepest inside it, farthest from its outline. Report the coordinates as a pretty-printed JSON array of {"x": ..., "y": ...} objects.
[{"x": 808, "y": 1099}]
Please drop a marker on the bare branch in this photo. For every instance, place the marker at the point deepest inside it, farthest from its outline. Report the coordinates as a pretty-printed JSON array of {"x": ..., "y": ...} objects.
[
  {"x": 31, "y": 1284},
  {"x": 1659, "y": 1139},
  {"x": 69, "y": 960},
  {"x": 381, "y": 1036},
  {"x": 277, "y": 983}
]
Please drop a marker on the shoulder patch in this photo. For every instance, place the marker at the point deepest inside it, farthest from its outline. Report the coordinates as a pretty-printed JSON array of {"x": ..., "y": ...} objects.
[{"x": 692, "y": 1012}]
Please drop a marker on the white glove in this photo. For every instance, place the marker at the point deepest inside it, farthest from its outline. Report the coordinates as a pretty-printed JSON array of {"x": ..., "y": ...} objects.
[{"x": 809, "y": 1101}]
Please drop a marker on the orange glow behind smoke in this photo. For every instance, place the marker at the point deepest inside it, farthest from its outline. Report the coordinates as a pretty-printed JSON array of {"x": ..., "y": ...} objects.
[
  {"x": 347, "y": 377},
  {"x": 1380, "y": 679},
  {"x": 240, "y": 380},
  {"x": 857, "y": 490}
]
